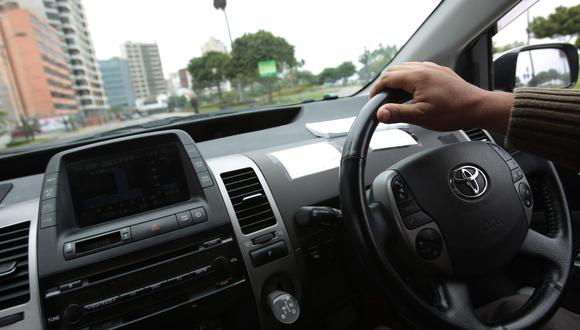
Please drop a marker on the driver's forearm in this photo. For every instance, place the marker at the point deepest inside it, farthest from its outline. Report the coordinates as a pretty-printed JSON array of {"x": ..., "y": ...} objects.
[
  {"x": 546, "y": 122},
  {"x": 494, "y": 111}
]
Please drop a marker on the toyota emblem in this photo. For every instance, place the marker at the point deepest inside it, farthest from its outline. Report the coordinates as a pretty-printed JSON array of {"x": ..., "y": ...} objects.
[{"x": 468, "y": 181}]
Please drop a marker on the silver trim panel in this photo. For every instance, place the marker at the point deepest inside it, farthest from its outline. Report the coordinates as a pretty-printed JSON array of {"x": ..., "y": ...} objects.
[
  {"x": 14, "y": 214},
  {"x": 257, "y": 275}
]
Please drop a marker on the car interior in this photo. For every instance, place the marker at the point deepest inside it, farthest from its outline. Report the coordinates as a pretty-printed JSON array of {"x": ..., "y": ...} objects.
[{"x": 252, "y": 222}]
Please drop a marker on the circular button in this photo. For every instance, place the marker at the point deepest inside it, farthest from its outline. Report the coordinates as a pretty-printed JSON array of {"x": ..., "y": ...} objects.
[
  {"x": 428, "y": 244},
  {"x": 526, "y": 194},
  {"x": 72, "y": 314}
]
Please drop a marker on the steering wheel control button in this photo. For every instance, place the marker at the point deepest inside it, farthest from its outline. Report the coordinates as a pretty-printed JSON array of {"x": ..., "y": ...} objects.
[
  {"x": 408, "y": 207},
  {"x": 517, "y": 174},
  {"x": 416, "y": 220},
  {"x": 468, "y": 181},
  {"x": 399, "y": 189},
  {"x": 512, "y": 164},
  {"x": 526, "y": 194},
  {"x": 268, "y": 253},
  {"x": 428, "y": 244},
  {"x": 502, "y": 152}
]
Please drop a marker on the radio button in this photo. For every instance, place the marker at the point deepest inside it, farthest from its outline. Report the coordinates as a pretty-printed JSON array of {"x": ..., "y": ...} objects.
[
  {"x": 48, "y": 206},
  {"x": 72, "y": 314},
  {"x": 198, "y": 164},
  {"x": 191, "y": 150},
  {"x": 212, "y": 242},
  {"x": 48, "y": 220},
  {"x": 51, "y": 179},
  {"x": 205, "y": 179},
  {"x": 49, "y": 191},
  {"x": 126, "y": 234},
  {"x": 184, "y": 219},
  {"x": 199, "y": 215},
  {"x": 154, "y": 228},
  {"x": 70, "y": 285}
]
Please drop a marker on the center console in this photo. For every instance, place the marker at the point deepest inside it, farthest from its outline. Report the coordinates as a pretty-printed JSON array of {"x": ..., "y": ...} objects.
[{"x": 131, "y": 228}]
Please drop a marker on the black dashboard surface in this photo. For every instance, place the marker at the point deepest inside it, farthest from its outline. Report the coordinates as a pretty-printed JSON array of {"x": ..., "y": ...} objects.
[{"x": 257, "y": 145}]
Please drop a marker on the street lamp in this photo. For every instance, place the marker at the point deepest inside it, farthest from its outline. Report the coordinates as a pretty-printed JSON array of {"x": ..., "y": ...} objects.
[{"x": 221, "y": 4}]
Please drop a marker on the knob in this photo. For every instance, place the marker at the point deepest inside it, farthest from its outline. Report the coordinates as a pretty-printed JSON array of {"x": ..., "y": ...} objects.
[
  {"x": 72, "y": 314},
  {"x": 284, "y": 306},
  {"x": 221, "y": 266},
  {"x": 428, "y": 244}
]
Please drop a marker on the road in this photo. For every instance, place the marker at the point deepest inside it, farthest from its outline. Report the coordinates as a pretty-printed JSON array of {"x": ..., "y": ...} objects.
[{"x": 63, "y": 136}]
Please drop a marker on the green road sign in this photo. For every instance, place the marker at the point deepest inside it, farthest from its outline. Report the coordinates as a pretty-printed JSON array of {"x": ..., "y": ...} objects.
[{"x": 267, "y": 68}]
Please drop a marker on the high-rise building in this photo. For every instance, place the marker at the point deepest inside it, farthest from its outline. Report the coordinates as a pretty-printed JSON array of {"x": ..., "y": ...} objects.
[
  {"x": 184, "y": 78},
  {"x": 117, "y": 80},
  {"x": 145, "y": 68},
  {"x": 213, "y": 45},
  {"x": 69, "y": 19},
  {"x": 35, "y": 75}
]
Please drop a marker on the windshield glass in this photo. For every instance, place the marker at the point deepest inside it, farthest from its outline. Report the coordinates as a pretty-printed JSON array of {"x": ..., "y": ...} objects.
[{"x": 76, "y": 69}]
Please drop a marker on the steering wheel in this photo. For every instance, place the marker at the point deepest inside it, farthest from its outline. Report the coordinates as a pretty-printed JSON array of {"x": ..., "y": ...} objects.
[{"x": 450, "y": 214}]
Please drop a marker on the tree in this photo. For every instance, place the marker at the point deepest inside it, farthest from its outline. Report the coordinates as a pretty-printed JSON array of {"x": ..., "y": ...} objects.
[
  {"x": 564, "y": 22},
  {"x": 342, "y": 71},
  {"x": 328, "y": 75},
  {"x": 175, "y": 101},
  {"x": 506, "y": 47},
  {"x": 305, "y": 77},
  {"x": 3, "y": 116},
  {"x": 375, "y": 61},
  {"x": 550, "y": 78},
  {"x": 345, "y": 70},
  {"x": 252, "y": 48},
  {"x": 209, "y": 70}
]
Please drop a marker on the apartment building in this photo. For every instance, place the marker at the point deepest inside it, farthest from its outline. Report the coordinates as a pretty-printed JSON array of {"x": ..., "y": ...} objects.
[
  {"x": 117, "y": 80},
  {"x": 69, "y": 19},
  {"x": 35, "y": 73},
  {"x": 145, "y": 68}
]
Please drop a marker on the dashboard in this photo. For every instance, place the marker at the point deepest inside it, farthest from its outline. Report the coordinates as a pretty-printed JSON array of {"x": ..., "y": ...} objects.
[{"x": 189, "y": 224}]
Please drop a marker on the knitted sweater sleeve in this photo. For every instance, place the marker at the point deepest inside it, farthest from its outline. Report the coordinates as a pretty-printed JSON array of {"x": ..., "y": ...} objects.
[{"x": 546, "y": 122}]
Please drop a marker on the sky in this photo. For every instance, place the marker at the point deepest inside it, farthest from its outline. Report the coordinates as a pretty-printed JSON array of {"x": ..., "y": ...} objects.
[{"x": 325, "y": 33}]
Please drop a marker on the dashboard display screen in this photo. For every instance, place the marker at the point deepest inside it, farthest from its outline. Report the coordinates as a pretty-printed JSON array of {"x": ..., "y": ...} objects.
[{"x": 123, "y": 184}]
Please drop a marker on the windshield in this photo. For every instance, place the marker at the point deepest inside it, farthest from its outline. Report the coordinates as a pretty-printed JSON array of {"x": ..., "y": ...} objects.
[{"x": 73, "y": 69}]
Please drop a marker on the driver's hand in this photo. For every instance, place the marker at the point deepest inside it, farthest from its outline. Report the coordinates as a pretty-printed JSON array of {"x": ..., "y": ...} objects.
[{"x": 442, "y": 100}]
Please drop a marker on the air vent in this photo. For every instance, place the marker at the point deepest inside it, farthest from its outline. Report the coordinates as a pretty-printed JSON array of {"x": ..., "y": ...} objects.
[
  {"x": 14, "y": 289},
  {"x": 477, "y": 134},
  {"x": 249, "y": 200}
]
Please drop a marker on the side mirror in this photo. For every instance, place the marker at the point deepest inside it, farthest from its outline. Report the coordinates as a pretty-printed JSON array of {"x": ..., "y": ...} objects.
[{"x": 552, "y": 65}]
